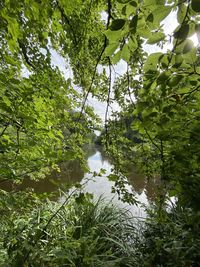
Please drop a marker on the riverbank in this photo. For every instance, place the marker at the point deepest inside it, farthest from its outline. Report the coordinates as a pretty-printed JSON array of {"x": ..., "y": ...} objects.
[{"x": 83, "y": 232}]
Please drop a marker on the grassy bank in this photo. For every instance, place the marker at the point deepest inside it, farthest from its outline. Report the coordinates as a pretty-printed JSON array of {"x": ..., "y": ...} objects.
[{"x": 86, "y": 233}]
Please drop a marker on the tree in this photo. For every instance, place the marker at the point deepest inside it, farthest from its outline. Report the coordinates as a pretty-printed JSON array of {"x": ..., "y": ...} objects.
[
  {"x": 45, "y": 117},
  {"x": 36, "y": 108},
  {"x": 39, "y": 126},
  {"x": 165, "y": 86}
]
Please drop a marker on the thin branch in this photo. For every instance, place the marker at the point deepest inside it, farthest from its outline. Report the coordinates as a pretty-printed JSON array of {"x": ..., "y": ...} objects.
[
  {"x": 2, "y": 133},
  {"x": 43, "y": 231},
  {"x": 162, "y": 157},
  {"x": 109, "y": 13},
  {"x": 151, "y": 139},
  {"x": 24, "y": 52},
  {"x": 68, "y": 22},
  {"x": 98, "y": 60},
  {"x": 128, "y": 81},
  {"x": 108, "y": 102},
  {"x": 11, "y": 119},
  {"x": 93, "y": 77},
  {"x": 4, "y": 180},
  {"x": 189, "y": 93},
  {"x": 18, "y": 142}
]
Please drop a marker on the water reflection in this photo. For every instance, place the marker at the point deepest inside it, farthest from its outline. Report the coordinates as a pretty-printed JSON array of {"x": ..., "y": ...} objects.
[
  {"x": 142, "y": 184},
  {"x": 71, "y": 172},
  {"x": 102, "y": 187}
]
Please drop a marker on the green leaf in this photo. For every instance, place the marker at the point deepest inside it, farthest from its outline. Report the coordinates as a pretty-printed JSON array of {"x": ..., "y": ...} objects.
[
  {"x": 156, "y": 37},
  {"x": 163, "y": 77},
  {"x": 132, "y": 44},
  {"x": 175, "y": 80},
  {"x": 6, "y": 101},
  {"x": 133, "y": 24},
  {"x": 133, "y": 3},
  {"x": 191, "y": 56},
  {"x": 112, "y": 36},
  {"x": 144, "y": 32},
  {"x": 116, "y": 58},
  {"x": 160, "y": 13},
  {"x": 194, "y": 80},
  {"x": 188, "y": 46},
  {"x": 123, "y": 1},
  {"x": 178, "y": 60},
  {"x": 150, "y": 17},
  {"x": 125, "y": 54},
  {"x": 141, "y": 22},
  {"x": 117, "y": 24},
  {"x": 10, "y": 60},
  {"x": 182, "y": 9},
  {"x": 113, "y": 177},
  {"x": 129, "y": 9},
  {"x": 153, "y": 2},
  {"x": 110, "y": 49},
  {"x": 164, "y": 60},
  {"x": 184, "y": 47},
  {"x": 182, "y": 32},
  {"x": 183, "y": 90},
  {"x": 195, "y": 5},
  {"x": 152, "y": 62},
  {"x": 149, "y": 113}
]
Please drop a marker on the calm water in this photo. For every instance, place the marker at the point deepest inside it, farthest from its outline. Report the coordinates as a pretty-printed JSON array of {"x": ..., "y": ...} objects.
[{"x": 99, "y": 186}]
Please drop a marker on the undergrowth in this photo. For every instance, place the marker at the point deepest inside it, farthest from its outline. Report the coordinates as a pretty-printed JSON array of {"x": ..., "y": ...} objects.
[{"x": 84, "y": 233}]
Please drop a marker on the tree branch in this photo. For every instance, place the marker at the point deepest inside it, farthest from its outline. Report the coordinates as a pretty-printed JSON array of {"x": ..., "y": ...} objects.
[
  {"x": 98, "y": 59},
  {"x": 68, "y": 22},
  {"x": 108, "y": 102},
  {"x": 2, "y": 133},
  {"x": 24, "y": 52}
]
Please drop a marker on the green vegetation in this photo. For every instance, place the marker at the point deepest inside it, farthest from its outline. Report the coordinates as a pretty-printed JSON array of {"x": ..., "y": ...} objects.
[
  {"x": 83, "y": 233},
  {"x": 45, "y": 119}
]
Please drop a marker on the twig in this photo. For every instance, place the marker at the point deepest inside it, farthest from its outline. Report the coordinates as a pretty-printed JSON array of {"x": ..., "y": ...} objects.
[
  {"x": 108, "y": 101},
  {"x": 98, "y": 59},
  {"x": 2, "y": 133},
  {"x": 24, "y": 52},
  {"x": 128, "y": 81},
  {"x": 151, "y": 139},
  {"x": 68, "y": 22}
]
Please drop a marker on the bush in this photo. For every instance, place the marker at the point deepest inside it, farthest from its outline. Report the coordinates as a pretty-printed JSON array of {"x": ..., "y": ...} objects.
[{"x": 171, "y": 241}]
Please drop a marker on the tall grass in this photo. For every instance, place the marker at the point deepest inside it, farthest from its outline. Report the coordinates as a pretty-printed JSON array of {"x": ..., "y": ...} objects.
[{"x": 83, "y": 233}]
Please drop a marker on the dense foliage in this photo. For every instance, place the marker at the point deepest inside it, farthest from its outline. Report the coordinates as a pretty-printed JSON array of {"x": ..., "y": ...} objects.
[
  {"x": 158, "y": 124},
  {"x": 81, "y": 234},
  {"x": 45, "y": 119}
]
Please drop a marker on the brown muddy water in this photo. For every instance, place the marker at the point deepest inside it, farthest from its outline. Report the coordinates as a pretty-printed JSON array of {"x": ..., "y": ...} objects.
[{"x": 71, "y": 172}]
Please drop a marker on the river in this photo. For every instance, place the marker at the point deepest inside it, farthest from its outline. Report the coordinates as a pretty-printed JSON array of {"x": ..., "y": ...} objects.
[{"x": 72, "y": 172}]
